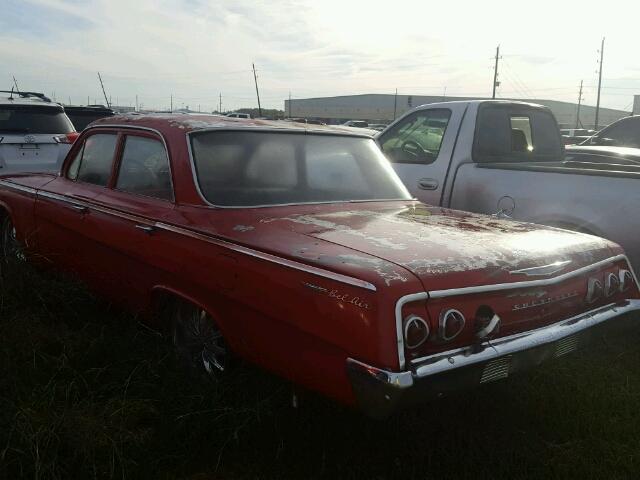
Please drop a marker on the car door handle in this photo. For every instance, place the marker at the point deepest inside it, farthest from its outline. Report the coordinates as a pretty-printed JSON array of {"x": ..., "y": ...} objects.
[
  {"x": 146, "y": 228},
  {"x": 80, "y": 208},
  {"x": 428, "y": 183}
]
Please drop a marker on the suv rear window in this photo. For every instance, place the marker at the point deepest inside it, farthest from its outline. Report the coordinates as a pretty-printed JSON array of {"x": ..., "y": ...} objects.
[{"x": 34, "y": 119}]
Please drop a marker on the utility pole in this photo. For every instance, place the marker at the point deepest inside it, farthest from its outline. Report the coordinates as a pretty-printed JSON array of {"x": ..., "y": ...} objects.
[
  {"x": 255, "y": 79},
  {"x": 289, "y": 104},
  {"x": 171, "y": 104},
  {"x": 137, "y": 109},
  {"x": 579, "y": 103},
  {"x": 15, "y": 83},
  {"x": 599, "y": 83},
  {"x": 103, "y": 92},
  {"x": 395, "y": 104},
  {"x": 88, "y": 102},
  {"x": 69, "y": 100},
  {"x": 220, "y": 105},
  {"x": 496, "y": 83}
]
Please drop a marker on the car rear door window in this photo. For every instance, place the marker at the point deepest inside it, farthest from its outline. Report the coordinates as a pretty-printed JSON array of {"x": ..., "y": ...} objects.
[
  {"x": 417, "y": 138},
  {"x": 93, "y": 162},
  {"x": 625, "y": 133},
  {"x": 144, "y": 168}
]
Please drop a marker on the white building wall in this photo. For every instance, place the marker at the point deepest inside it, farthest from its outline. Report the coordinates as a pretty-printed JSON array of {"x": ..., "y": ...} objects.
[{"x": 382, "y": 107}]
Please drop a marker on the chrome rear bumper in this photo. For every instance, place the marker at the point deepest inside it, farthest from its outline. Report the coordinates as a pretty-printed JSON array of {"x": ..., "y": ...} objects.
[{"x": 380, "y": 392}]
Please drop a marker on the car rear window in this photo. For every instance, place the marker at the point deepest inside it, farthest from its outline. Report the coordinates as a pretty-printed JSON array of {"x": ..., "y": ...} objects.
[
  {"x": 515, "y": 133},
  {"x": 33, "y": 119},
  {"x": 266, "y": 168}
]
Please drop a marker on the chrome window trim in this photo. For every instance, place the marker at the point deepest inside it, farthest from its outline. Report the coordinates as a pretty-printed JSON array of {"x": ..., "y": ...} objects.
[
  {"x": 414, "y": 297},
  {"x": 338, "y": 277},
  {"x": 194, "y": 176}
]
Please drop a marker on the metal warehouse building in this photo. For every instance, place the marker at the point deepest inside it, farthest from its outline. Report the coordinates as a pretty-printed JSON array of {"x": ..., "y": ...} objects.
[{"x": 381, "y": 107}]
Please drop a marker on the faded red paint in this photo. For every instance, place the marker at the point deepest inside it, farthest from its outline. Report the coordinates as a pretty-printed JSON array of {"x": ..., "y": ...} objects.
[{"x": 298, "y": 324}]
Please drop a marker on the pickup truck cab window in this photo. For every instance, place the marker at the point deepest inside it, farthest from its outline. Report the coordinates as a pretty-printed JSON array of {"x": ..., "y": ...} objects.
[
  {"x": 93, "y": 162},
  {"x": 508, "y": 133},
  {"x": 417, "y": 138},
  {"x": 144, "y": 168}
]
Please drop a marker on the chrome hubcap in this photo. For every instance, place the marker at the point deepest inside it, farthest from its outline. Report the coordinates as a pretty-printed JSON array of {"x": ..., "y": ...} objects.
[{"x": 199, "y": 340}]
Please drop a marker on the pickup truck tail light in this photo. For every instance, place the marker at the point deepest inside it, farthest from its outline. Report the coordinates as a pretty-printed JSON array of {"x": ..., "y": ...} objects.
[
  {"x": 416, "y": 331},
  {"x": 67, "y": 138}
]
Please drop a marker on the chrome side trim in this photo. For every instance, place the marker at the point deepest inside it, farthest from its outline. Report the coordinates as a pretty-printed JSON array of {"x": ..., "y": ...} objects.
[
  {"x": 394, "y": 379},
  {"x": 459, "y": 358},
  {"x": 21, "y": 188},
  {"x": 215, "y": 241},
  {"x": 402, "y": 301},
  {"x": 268, "y": 257},
  {"x": 529, "y": 283}
]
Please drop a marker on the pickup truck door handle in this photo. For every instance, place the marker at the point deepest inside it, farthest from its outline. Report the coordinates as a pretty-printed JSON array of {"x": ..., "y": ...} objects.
[
  {"x": 80, "y": 208},
  {"x": 146, "y": 228},
  {"x": 428, "y": 183}
]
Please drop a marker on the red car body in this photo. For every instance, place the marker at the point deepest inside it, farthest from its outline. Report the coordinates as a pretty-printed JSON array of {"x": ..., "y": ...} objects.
[{"x": 321, "y": 293}]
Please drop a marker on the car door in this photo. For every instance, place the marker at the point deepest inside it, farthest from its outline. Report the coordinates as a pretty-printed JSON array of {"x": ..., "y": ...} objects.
[
  {"x": 140, "y": 196},
  {"x": 64, "y": 209},
  {"x": 419, "y": 146}
]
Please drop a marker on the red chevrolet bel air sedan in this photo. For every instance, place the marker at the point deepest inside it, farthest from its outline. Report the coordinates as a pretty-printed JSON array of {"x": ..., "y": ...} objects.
[{"x": 297, "y": 248}]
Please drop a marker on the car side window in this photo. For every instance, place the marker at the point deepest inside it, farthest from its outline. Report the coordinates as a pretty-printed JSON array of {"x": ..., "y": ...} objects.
[
  {"x": 417, "y": 138},
  {"x": 93, "y": 162},
  {"x": 144, "y": 168}
]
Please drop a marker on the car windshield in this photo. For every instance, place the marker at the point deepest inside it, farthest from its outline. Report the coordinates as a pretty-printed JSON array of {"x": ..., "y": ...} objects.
[
  {"x": 273, "y": 168},
  {"x": 33, "y": 119}
]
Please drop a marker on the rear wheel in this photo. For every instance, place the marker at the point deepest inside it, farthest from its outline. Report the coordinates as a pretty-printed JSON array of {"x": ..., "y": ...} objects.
[{"x": 198, "y": 341}]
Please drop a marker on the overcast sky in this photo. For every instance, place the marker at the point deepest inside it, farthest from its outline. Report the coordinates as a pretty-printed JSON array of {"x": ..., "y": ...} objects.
[{"x": 198, "y": 49}]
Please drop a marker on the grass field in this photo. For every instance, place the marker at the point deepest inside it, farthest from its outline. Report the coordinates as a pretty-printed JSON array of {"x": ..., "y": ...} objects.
[{"x": 89, "y": 392}]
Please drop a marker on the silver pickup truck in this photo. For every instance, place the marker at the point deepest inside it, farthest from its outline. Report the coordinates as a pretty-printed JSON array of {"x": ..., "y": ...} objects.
[{"x": 507, "y": 158}]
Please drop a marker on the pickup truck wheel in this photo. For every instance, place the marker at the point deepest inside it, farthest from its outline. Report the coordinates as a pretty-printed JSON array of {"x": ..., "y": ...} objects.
[
  {"x": 10, "y": 248},
  {"x": 198, "y": 341}
]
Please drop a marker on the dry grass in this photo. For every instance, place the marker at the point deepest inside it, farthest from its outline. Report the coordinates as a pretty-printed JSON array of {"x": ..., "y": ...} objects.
[{"x": 86, "y": 391}]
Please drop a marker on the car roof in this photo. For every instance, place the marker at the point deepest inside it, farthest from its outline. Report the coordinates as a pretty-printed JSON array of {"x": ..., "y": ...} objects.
[
  {"x": 167, "y": 123},
  {"x": 26, "y": 98}
]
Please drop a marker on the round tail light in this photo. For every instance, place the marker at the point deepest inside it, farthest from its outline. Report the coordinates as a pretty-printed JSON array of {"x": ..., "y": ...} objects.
[
  {"x": 594, "y": 290},
  {"x": 626, "y": 280},
  {"x": 416, "y": 331},
  {"x": 451, "y": 324},
  {"x": 611, "y": 285}
]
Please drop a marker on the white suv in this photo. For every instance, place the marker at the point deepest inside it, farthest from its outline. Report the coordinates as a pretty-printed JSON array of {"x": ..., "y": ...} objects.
[
  {"x": 35, "y": 133},
  {"x": 238, "y": 115}
]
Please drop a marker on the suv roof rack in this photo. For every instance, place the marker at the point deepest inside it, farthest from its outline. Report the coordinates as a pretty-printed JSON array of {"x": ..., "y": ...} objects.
[{"x": 41, "y": 96}]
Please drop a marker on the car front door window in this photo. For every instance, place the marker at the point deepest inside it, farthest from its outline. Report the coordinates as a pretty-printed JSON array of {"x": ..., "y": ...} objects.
[{"x": 418, "y": 138}]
